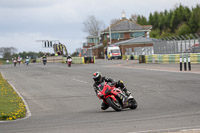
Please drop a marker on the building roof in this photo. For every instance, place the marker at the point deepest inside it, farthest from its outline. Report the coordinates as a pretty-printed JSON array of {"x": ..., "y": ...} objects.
[
  {"x": 97, "y": 46},
  {"x": 138, "y": 40},
  {"x": 92, "y": 36},
  {"x": 127, "y": 25}
]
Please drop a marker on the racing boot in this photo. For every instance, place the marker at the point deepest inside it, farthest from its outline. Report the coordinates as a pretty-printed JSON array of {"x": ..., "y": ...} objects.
[
  {"x": 120, "y": 83},
  {"x": 124, "y": 100},
  {"x": 127, "y": 92}
]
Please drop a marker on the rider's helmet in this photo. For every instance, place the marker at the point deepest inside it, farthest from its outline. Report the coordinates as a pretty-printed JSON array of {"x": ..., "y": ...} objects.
[{"x": 97, "y": 76}]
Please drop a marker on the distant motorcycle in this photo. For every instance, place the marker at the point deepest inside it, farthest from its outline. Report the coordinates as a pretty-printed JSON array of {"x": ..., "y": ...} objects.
[
  {"x": 15, "y": 62},
  {"x": 44, "y": 61},
  {"x": 27, "y": 61},
  {"x": 69, "y": 62},
  {"x": 114, "y": 97}
]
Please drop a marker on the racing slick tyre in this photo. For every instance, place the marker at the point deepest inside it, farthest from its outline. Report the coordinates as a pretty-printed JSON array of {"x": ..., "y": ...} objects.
[
  {"x": 133, "y": 104},
  {"x": 114, "y": 104}
]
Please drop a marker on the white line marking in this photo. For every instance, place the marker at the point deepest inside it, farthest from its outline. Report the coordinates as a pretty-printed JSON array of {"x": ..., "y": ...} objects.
[
  {"x": 169, "y": 129},
  {"x": 28, "y": 112},
  {"x": 80, "y": 80},
  {"x": 148, "y": 69},
  {"x": 167, "y": 116}
]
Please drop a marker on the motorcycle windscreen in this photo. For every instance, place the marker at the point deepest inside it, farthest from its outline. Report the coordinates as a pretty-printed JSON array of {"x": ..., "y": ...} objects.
[{"x": 101, "y": 86}]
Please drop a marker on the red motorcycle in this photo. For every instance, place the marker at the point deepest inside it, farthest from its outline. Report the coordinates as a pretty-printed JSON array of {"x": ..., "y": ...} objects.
[
  {"x": 114, "y": 97},
  {"x": 69, "y": 62}
]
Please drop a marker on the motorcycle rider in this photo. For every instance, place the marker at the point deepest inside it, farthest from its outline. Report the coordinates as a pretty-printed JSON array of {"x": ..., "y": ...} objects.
[
  {"x": 98, "y": 79},
  {"x": 15, "y": 61},
  {"x": 69, "y": 60},
  {"x": 44, "y": 59},
  {"x": 27, "y": 60},
  {"x": 69, "y": 57}
]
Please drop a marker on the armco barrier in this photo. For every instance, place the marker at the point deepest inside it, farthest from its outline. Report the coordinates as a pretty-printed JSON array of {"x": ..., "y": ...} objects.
[
  {"x": 77, "y": 60},
  {"x": 195, "y": 58},
  {"x": 142, "y": 59},
  {"x": 82, "y": 60},
  {"x": 172, "y": 58},
  {"x": 135, "y": 57},
  {"x": 60, "y": 59}
]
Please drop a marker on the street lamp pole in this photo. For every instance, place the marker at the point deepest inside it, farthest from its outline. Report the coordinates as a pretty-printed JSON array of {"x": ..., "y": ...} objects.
[{"x": 110, "y": 35}]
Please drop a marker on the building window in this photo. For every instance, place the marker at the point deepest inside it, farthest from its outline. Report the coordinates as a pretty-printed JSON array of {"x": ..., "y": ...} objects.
[
  {"x": 137, "y": 34},
  {"x": 84, "y": 44},
  {"x": 93, "y": 40},
  {"x": 117, "y": 35},
  {"x": 105, "y": 37},
  {"x": 128, "y": 51}
]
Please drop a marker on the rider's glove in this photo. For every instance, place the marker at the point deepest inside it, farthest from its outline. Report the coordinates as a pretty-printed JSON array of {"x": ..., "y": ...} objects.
[{"x": 113, "y": 83}]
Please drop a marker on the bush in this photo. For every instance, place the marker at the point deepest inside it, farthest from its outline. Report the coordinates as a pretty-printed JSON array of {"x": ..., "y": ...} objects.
[
  {"x": 155, "y": 33},
  {"x": 183, "y": 29}
]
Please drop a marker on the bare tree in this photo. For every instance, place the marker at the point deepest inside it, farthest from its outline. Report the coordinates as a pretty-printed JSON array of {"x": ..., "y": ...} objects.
[
  {"x": 134, "y": 17},
  {"x": 114, "y": 21},
  {"x": 93, "y": 26},
  {"x": 6, "y": 52}
]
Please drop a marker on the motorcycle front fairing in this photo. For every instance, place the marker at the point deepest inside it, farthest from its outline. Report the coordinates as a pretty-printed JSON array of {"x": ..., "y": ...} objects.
[{"x": 107, "y": 91}]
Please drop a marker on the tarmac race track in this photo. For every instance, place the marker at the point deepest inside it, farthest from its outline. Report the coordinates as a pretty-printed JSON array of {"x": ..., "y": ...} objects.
[{"x": 62, "y": 99}]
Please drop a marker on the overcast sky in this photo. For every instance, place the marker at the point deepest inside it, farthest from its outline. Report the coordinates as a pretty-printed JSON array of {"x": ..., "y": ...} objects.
[{"x": 22, "y": 22}]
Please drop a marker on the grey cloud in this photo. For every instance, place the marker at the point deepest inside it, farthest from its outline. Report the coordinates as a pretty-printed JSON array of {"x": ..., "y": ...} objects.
[{"x": 26, "y": 3}]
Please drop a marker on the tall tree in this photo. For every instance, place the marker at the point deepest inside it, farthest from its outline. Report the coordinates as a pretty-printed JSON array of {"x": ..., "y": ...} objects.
[
  {"x": 144, "y": 21},
  {"x": 155, "y": 20},
  {"x": 150, "y": 19},
  {"x": 93, "y": 26},
  {"x": 161, "y": 20},
  {"x": 174, "y": 22},
  {"x": 139, "y": 19},
  {"x": 194, "y": 22}
]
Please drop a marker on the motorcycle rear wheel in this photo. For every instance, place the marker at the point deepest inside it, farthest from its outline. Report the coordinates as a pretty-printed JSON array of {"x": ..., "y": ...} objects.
[{"x": 114, "y": 104}]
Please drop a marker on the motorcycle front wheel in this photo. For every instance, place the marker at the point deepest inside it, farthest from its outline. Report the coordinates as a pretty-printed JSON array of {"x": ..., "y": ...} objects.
[
  {"x": 133, "y": 103},
  {"x": 114, "y": 104}
]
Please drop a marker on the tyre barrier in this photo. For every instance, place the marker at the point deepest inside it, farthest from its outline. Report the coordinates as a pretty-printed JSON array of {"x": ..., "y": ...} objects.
[
  {"x": 172, "y": 58},
  {"x": 75, "y": 60},
  {"x": 142, "y": 59},
  {"x": 130, "y": 57}
]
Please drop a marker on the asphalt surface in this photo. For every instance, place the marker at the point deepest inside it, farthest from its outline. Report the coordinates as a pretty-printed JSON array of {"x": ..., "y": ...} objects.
[{"x": 62, "y": 99}]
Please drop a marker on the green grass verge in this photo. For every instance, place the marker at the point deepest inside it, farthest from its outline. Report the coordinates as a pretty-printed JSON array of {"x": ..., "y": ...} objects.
[
  {"x": 3, "y": 61},
  {"x": 11, "y": 105}
]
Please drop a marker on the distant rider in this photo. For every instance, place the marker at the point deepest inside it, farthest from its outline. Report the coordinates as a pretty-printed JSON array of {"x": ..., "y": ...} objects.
[
  {"x": 44, "y": 59},
  {"x": 69, "y": 57},
  {"x": 69, "y": 60},
  {"x": 19, "y": 60},
  {"x": 98, "y": 79},
  {"x": 27, "y": 60},
  {"x": 15, "y": 61}
]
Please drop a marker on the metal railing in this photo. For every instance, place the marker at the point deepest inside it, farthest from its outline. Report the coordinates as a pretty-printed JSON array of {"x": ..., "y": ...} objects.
[
  {"x": 143, "y": 51},
  {"x": 177, "y": 44}
]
